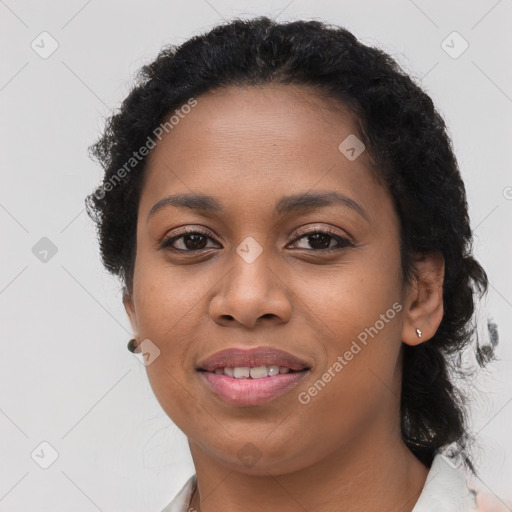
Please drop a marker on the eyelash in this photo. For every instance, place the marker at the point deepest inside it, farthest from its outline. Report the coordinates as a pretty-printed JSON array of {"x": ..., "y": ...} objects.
[{"x": 342, "y": 241}]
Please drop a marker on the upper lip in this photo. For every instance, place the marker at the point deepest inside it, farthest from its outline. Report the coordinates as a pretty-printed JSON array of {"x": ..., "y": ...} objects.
[{"x": 257, "y": 356}]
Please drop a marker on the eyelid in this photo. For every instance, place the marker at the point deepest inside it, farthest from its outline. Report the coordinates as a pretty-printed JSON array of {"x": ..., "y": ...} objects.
[
  {"x": 168, "y": 238},
  {"x": 342, "y": 239},
  {"x": 316, "y": 228}
]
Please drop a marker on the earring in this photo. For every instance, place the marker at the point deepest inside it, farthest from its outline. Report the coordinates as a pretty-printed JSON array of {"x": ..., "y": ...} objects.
[
  {"x": 418, "y": 333},
  {"x": 132, "y": 347}
]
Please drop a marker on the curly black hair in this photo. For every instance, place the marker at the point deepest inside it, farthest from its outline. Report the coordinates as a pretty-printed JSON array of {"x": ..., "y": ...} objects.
[{"x": 410, "y": 151}]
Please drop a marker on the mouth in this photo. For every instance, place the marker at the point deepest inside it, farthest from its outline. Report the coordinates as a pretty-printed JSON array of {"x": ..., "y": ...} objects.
[
  {"x": 252, "y": 362},
  {"x": 254, "y": 372},
  {"x": 249, "y": 377}
]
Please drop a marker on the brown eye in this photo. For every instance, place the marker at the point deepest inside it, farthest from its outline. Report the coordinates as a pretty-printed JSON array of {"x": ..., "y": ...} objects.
[
  {"x": 318, "y": 240},
  {"x": 189, "y": 241}
]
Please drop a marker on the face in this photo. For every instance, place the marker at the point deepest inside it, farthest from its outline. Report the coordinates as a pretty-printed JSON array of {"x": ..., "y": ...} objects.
[{"x": 319, "y": 279}]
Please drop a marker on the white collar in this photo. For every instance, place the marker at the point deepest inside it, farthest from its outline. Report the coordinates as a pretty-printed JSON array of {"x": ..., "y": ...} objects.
[{"x": 445, "y": 490}]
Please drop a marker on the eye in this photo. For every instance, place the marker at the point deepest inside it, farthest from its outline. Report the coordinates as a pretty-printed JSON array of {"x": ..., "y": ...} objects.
[
  {"x": 321, "y": 239},
  {"x": 188, "y": 240}
]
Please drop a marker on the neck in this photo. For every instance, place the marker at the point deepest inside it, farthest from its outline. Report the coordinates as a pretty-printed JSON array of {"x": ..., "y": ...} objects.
[{"x": 366, "y": 476}]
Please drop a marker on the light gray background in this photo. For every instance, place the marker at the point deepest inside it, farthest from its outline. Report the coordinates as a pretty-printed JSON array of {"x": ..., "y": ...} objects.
[{"x": 66, "y": 376}]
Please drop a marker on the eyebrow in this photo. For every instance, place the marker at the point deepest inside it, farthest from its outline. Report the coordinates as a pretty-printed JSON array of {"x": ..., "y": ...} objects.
[{"x": 296, "y": 203}]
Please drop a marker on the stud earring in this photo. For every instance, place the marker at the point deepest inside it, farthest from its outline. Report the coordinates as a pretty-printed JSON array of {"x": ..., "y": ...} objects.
[
  {"x": 132, "y": 347},
  {"x": 418, "y": 333}
]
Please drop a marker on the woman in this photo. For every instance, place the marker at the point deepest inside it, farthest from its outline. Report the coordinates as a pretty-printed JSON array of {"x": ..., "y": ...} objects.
[{"x": 287, "y": 216}]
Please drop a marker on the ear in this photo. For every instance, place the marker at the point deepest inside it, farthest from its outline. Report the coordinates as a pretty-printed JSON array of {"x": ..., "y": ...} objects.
[
  {"x": 423, "y": 308},
  {"x": 129, "y": 307}
]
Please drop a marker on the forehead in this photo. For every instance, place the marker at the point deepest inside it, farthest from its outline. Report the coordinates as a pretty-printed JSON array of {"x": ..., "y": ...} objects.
[
  {"x": 241, "y": 120},
  {"x": 254, "y": 144}
]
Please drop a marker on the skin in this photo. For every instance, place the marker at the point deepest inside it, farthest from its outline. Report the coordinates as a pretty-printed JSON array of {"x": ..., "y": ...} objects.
[{"x": 248, "y": 147}]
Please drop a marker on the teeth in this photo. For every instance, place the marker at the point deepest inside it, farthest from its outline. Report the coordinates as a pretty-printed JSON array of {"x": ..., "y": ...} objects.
[
  {"x": 273, "y": 370},
  {"x": 257, "y": 372},
  {"x": 241, "y": 372}
]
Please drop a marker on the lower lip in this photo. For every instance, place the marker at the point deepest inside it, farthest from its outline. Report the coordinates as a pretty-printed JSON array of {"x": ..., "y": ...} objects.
[{"x": 247, "y": 392}]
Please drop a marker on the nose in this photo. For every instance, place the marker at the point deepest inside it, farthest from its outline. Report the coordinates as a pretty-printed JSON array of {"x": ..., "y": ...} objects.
[{"x": 250, "y": 293}]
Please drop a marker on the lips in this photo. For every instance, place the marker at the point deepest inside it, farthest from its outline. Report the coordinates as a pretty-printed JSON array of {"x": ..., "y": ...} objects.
[
  {"x": 251, "y": 377},
  {"x": 252, "y": 357}
]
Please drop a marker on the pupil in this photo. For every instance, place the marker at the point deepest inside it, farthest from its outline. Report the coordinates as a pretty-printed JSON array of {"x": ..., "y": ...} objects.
[
  {"x": 319, "y": 237},
  {"x": 195, "y": 238}
]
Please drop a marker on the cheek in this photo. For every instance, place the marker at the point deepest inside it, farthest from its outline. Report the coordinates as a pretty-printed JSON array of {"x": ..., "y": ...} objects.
[
  {"x": 349, "y": 298},
  {"x": 167, "y": 312},
  {"x": 167, "y": 297},
  {"x": 356, "y": 311}
]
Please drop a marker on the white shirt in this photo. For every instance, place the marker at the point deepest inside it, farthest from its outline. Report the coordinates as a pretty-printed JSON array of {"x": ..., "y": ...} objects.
[{"x": 445, "y": 490}]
